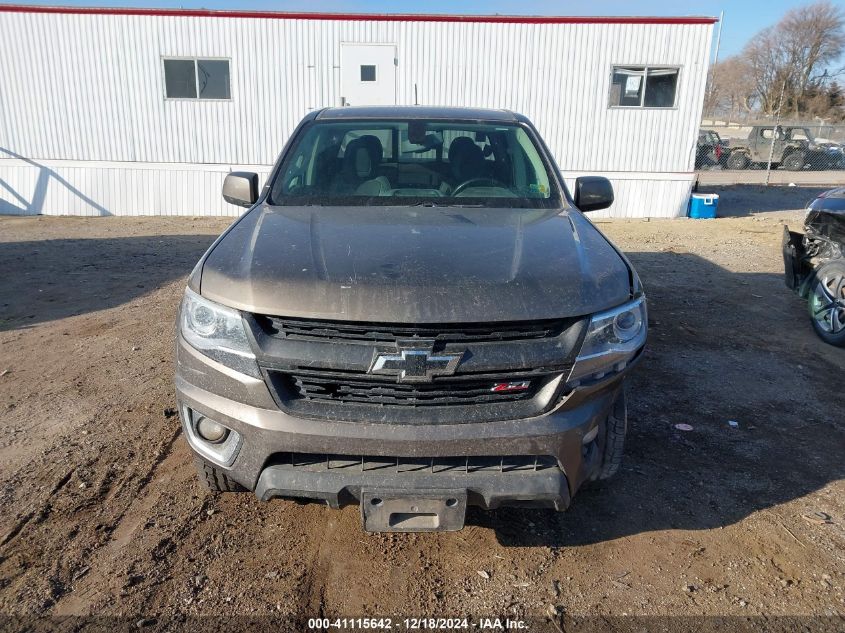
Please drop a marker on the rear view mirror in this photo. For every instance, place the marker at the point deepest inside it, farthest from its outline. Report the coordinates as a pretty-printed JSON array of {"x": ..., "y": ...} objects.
[
  {"x": 593, "y": 193},
  {"x": 417, "y": 132},
  {"x": 241, "y": 188}
]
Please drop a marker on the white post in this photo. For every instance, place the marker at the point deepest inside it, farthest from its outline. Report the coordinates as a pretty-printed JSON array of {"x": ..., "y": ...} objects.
[
  {"x": 716, "y": 56},
  {"x": 774, "y": 134}
]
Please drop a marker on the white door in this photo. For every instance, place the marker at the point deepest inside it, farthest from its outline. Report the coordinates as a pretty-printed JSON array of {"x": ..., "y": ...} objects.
[{"x": 367, "y": 74}]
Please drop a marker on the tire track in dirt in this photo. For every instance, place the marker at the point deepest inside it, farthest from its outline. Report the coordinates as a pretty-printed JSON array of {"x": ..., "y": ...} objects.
[
  {"x": 314, "y": 587},
  {"x": 41, "y": 512},
  {"x": 163, "y": 451},
  {"x": 121, "y": 529},
  {"x": 92, "y": 510},
  {"x": 348, "y": 571}
]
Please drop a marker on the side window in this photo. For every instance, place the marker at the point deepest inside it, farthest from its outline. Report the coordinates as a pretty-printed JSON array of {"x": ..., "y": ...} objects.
[
  {"x": 768, "y": 134},
  {"x": 660, "y": 87},
  {"x": 197, "y": 79},
  {"x": 304, "y": 166},
  {"x": 213, "y": 78},
  {"x": 626, "y": 87},
  {"x": 180, "y": 79},
  {"x": 530, "y": 176},
  {"x": 643, "y": 87}
]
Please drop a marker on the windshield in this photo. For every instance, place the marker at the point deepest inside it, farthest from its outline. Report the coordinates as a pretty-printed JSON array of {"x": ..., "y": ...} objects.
[{"x": 437, "y": 162}]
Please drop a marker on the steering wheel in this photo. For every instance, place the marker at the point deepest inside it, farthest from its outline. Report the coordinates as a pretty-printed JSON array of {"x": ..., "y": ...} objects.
[{"x": 491, "y": 182}]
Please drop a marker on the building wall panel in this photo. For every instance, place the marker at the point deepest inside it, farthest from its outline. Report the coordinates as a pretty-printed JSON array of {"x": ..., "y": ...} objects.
[
  {"x": 91, "y": 188},
  {"x": 90, "y": 88}
]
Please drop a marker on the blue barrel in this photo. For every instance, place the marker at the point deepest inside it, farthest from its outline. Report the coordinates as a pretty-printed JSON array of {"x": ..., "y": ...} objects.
[{"x": 703, "y": 205}]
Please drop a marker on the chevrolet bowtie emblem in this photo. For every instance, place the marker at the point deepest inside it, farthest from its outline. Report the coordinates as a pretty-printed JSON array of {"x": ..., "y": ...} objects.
[{"x": 415, "y": 364}]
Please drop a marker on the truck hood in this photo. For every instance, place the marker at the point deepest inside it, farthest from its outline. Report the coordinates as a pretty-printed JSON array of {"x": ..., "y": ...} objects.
[{"x": 415, "y": 265}]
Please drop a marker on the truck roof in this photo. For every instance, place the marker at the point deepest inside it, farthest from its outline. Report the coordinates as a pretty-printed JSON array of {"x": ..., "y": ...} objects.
[{"x": 419, "y": 112}]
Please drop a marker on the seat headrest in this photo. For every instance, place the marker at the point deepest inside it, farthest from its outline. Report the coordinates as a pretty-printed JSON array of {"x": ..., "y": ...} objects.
[
  {"x": 466, "y": 160},
  {"x": 362, "y": 157}
]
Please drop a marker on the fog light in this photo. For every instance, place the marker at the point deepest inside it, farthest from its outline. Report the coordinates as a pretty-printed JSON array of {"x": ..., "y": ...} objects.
[
  {"x": 590, "y": 435},
  {"x": 211, "y": 431}
]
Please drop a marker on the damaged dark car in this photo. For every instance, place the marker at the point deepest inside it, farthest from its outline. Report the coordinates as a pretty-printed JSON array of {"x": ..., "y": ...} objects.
[{"x": 815, "y": 266}]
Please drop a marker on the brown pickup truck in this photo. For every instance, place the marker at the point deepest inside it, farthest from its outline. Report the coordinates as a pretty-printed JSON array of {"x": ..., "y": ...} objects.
[{"x": 413, "y": 316}]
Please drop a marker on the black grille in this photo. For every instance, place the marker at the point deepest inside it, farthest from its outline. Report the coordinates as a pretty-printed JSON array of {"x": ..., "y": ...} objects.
[
  {"x": 385, "y": 332},
  {"x": 346, "y": 387},
  {"x": 320, "y": 369},
  {"x": 317, "y": 462}
]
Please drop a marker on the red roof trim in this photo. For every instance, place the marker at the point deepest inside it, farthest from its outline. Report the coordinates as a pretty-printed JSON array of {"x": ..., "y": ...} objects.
[{"x": 369, "y": 17}]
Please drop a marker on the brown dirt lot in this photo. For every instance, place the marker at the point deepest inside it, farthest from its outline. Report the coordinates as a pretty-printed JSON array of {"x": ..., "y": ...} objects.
[{"x": 103, "y": 514}]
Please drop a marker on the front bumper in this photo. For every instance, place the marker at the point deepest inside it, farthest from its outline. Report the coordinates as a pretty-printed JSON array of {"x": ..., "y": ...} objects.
[
  {"x": 245, "y": 405},
  {"x": 796, "y": 268}
]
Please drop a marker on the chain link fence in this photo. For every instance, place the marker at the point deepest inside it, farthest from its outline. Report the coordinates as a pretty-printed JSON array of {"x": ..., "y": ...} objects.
[{"x": 752, "y": 152}]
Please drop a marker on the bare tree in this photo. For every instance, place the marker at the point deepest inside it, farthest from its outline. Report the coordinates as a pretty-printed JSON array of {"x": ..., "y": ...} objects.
[
  {"x": 730, "y": 92},
  {"x": 795, "y": 55},
  {"x": 812, "y": 38},
  {"x": 768, "y": 66}
]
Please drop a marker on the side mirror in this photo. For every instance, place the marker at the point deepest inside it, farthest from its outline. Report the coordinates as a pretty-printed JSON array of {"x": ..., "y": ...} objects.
[
  {"x": 241, "y": 188},
  {"x": 593, "y": 193}
]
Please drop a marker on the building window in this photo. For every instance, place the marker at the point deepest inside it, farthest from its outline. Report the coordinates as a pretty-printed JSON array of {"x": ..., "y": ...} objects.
[
  {"x": 197, "y": 79},
  {"x": 643, "y": 87},
  {"x": 368, "y": 73}
]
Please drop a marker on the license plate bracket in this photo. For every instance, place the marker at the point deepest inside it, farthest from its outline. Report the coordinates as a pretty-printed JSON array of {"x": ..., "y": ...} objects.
[{"x": 413, "y": 511}]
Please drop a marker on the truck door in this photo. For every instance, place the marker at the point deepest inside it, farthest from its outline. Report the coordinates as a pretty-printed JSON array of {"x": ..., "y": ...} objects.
[
  {"x": 763, "y": 144},
  {"x": 765, "y": 138}
]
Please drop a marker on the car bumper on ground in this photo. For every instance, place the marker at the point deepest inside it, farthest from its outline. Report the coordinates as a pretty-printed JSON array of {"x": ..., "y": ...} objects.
[
  {"x": 796, "y": 269},
  {"x": 539, "y": 461}
]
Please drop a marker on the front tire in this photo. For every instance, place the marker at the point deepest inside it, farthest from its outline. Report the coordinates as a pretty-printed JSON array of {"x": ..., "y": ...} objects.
[
  {"x": 794, "y": 162},
  {"x": 826, "y": 303},
  {"x": 737, "y": 160},
  {"x": 215, "y": 479},
  {"x": 616, "y": 428}
]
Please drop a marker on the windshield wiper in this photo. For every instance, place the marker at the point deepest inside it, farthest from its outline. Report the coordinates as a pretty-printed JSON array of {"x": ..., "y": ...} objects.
[{"x": 431, "y": 203}]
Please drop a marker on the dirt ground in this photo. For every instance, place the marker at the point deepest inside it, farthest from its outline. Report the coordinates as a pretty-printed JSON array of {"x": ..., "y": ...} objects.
[{"x": 102, "y": 512}]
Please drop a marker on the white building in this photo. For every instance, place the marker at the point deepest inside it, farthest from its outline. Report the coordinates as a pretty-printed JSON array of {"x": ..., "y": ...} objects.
[{"x": 134, "y": 112}]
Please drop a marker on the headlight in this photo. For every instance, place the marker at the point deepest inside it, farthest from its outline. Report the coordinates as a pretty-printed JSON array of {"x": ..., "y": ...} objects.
[
  {"x": 613, "y": 339},
  {"x": 218, "y": 332}
]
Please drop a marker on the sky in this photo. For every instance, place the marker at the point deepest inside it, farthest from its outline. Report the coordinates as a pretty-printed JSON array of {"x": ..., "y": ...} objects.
[{"x": 742, "y": 19}]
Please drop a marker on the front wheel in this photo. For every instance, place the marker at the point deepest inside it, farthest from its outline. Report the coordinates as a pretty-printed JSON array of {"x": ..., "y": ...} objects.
[
  {"x": 616, "y": 428},
  {"x": 827, "y": 303},
  {"x": 737, "y": 160},
  {"x": 794, "y": 162},
  {"x": 215, "y": 479}
]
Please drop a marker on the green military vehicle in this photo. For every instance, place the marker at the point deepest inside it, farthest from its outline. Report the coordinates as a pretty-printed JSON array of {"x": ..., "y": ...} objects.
[{"x": 794, "y": 148}]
